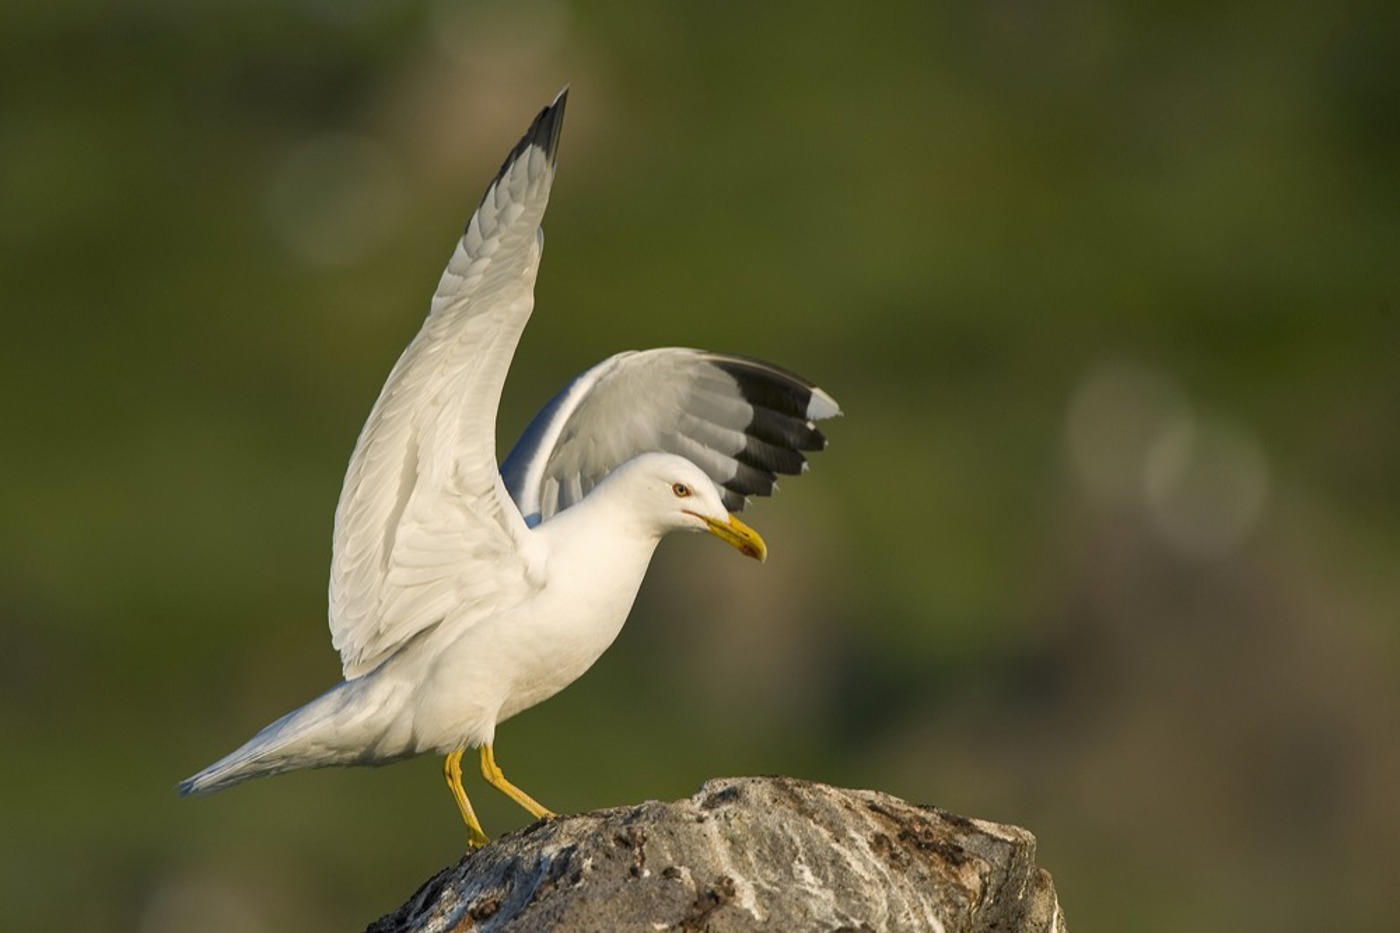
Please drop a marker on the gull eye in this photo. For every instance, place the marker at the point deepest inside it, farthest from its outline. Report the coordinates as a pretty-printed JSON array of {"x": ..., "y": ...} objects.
[{"x": 681, "y": 490}]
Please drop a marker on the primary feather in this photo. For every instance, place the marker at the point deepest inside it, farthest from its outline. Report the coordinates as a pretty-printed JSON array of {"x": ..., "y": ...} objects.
[
  {"x": 423, "y": 526},
  {"x": 742, "y": 421}
]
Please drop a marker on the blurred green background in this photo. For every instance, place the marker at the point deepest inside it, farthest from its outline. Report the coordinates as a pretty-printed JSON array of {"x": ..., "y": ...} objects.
[{"x": 1105, "y": 546}]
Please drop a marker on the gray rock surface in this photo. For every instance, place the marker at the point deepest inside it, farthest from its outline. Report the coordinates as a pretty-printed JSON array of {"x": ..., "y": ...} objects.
[{"x": 746, "y": 854}]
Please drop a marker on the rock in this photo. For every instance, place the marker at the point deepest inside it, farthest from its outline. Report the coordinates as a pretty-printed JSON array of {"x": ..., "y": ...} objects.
[{"x": 746, "y": 854}]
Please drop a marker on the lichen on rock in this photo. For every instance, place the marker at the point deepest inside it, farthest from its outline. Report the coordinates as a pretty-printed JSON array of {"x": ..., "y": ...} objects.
[{"x": 746, "y": 854}]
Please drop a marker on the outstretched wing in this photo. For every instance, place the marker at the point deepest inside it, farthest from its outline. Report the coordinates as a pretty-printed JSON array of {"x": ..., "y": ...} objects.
[
  {"x": 742, "y": 421},
  {"x": 424, "y": 530}
]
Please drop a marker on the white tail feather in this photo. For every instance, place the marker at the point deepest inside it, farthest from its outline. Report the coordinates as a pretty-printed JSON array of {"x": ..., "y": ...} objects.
[{"x": 337, "y": 728}]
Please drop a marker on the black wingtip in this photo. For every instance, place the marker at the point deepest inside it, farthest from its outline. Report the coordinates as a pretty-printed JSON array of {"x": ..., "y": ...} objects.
[
  {"x": 547, "y": 126},
  {"x": 543, "y": 133},
  {"x": 763, "y": 383}
]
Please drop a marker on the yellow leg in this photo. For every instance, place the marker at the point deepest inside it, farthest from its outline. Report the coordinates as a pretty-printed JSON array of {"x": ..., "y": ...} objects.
[
  {"x": 452, "y": 773},
  {"x": 492, "y": 772}
]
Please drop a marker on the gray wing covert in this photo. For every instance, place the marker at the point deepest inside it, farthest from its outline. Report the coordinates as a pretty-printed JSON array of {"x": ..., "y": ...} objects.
[{"x": 743, "y": 421}]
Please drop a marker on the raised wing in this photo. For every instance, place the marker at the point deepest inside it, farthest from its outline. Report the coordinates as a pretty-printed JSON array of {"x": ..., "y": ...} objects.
[
  {"x": 742, "y": 421},
  {"x": 424, "y": 530}
]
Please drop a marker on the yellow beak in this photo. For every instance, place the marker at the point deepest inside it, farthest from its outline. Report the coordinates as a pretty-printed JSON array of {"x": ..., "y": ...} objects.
[{"x": 737, "y": 534}]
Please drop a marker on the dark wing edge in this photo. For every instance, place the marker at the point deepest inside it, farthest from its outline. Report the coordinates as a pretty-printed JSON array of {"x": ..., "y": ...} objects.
[
  {"x": 782, "y": 430},
  {"x": 544, "y": 133}
]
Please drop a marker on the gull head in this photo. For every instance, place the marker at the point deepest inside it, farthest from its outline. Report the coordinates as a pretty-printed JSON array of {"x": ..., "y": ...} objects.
[{"x": 670, "y": 493}]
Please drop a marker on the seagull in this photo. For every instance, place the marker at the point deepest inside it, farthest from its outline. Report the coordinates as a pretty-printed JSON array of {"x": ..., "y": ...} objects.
[{"x": 462, "y": 593}]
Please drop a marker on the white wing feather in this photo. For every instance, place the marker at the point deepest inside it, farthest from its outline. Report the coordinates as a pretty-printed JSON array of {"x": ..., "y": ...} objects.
[{"x": 425, "y": 531}]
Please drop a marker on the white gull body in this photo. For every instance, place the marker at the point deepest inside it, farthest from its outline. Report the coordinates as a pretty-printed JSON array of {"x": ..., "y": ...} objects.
[{"x": 460, "y": 596}]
